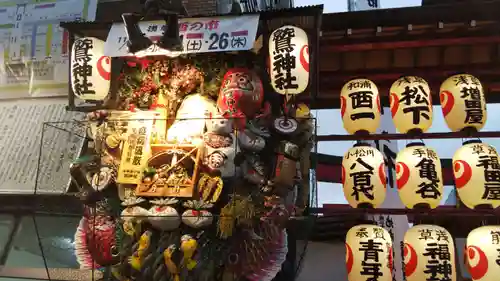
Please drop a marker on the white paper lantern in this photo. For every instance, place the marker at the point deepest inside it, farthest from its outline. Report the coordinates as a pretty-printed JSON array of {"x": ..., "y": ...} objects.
[
  {"x": 90, "y": 69},
  {"x": 360, "y": 106},
  {"x": 411, "y": 104},
  {"x": 483, "y": 253},
  {"x": 289, "y": 60},
  {"x": 363, "y": 176},
  {"x": 429, "y": 254},
  {"x": 476, "y": 171},
  {"x": 368, "y": 253},
  {"x": 419, "y": 176},
  {"x": 463, "y": 102}
]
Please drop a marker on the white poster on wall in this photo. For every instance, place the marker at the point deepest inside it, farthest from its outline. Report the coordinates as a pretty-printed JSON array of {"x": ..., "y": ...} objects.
[
  {"x": 363, "y": 5},
  {"x": 20, "y": 135},
  {"x": 34, "y": 49}
]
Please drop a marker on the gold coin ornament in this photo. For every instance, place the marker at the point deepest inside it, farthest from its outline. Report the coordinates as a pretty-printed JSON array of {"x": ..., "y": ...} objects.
[
  {"x": 112, "y": 141},
  {"x": 210, "y": 188}
]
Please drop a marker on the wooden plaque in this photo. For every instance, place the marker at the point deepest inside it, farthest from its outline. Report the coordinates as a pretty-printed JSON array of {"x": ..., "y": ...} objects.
[{"x": 173, "y": 160}]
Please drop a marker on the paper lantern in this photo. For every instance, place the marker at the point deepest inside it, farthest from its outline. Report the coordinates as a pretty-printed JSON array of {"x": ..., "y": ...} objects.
[
  {"x": 483, "y": 253},
  {"x": 419, "y": 177},
  {"x": 463, "y": 103},
  {"x": 90, "y": 69},
  {"x": 363, "y": 176},
  {"x": 360, "y": 106},
  {"x": 411, "y": 104},
  {"x": 368, "y": 253},
  {"x": 429, "y": 254},
  {"x": 477, "y": 174},
  {"x": 289, "y": 60}
]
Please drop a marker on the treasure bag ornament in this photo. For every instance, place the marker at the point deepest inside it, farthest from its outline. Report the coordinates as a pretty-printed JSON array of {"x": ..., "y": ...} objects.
[{"x": 189, "y": 123}]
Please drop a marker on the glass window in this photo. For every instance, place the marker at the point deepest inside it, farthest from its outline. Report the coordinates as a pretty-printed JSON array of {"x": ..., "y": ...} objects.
[
  {"x": 57, "y": 238},
  {"x": 6, "y": 225}
]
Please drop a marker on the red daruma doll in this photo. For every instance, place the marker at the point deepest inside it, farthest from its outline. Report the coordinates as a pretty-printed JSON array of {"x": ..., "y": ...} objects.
[{"x": 240, "y": 96}]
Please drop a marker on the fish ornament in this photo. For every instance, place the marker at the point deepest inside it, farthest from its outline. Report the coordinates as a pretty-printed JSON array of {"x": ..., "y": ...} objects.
[
  {"x": 188, "y": 249},
  {"x": 143, "y": 244},
  {"x": 173, "y": 269}
]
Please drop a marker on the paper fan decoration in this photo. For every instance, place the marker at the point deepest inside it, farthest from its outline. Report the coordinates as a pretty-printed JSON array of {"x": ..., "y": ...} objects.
[
  {"x": 272, "y": 266},
  {"x": 94, "y": 241}
]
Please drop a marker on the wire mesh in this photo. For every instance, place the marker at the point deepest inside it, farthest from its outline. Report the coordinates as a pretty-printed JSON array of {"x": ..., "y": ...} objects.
[{"x": 105, "y": 237}]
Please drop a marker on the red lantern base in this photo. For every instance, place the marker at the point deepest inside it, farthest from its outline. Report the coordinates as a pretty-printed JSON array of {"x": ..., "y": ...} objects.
[
  {"x": 362, "y": 133},
  {"x": 469, "y": 130},
  {"x": 415, "y": 132},
  {"x": 365, "y": 206},
  {"x": 484, "y": 207},
  {"x": 422, "y": 206}
]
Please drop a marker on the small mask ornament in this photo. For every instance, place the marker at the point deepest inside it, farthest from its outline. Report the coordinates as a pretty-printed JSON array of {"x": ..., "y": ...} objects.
[
  {"x": 241, "y": 94},
  {"x": 216, "y": 160}
]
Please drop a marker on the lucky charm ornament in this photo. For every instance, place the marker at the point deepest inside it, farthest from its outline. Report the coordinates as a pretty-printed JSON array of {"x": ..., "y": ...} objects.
[
  {"x": 163, "y": 215},
  {"x": 241, "y": 95}
]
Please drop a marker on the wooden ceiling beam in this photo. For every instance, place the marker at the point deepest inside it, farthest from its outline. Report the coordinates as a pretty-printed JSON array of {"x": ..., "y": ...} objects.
[
  {"x": 364, "y": 44},
  {"x": 484, "y": 11},
  {"x": 331, "y": 82},
  {"x": 386, "y": 34}
]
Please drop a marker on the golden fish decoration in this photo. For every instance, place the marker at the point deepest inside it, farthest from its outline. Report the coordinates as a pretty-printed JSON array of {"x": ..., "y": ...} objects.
[
  {"x": 169, "y": 262},
  {"x": 188, "y": 248},
  {"x": 138, "y": 256}
]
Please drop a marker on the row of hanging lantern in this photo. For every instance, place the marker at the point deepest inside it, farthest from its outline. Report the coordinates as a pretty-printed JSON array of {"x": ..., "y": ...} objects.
[
  {"x": 462, "y": 101},
  {"x": 419, "y": 177},
  {"x": 428, "y": 253}
]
